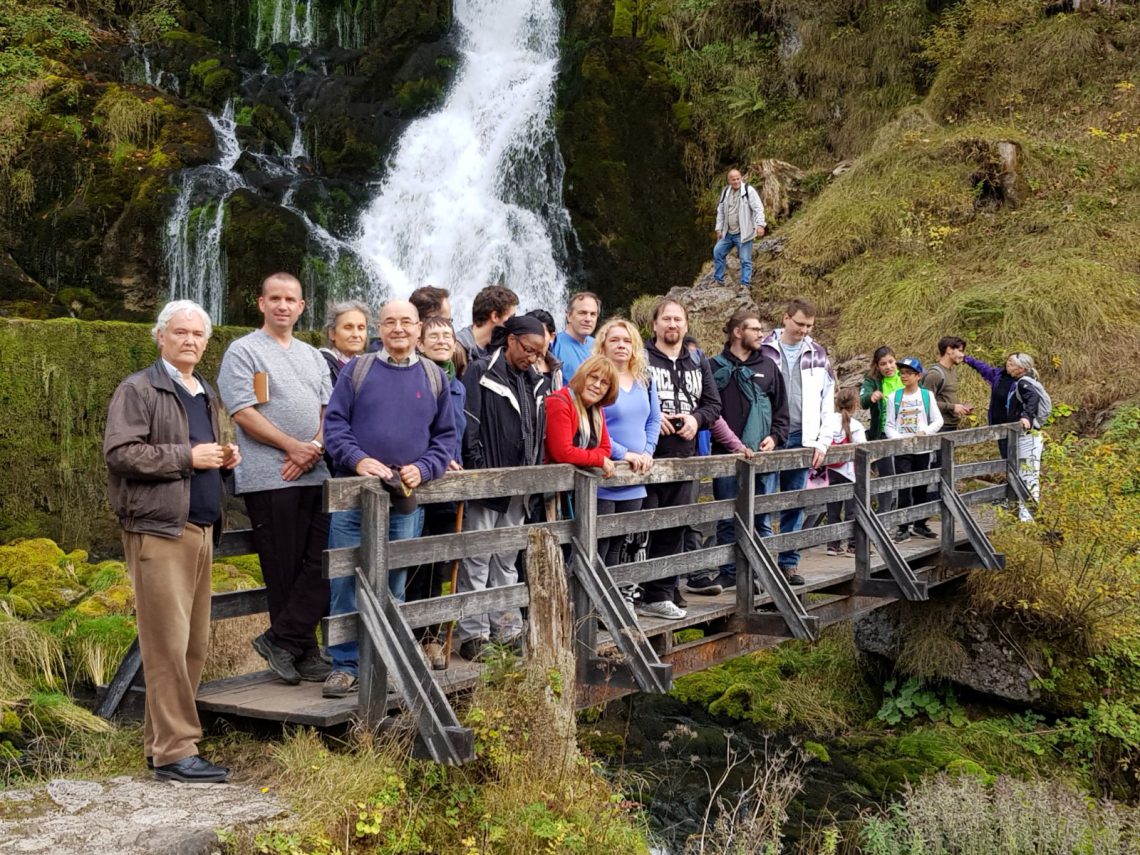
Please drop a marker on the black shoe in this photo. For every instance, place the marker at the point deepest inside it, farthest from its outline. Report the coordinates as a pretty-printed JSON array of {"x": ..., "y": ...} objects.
[
  {"x": 312, "y": 668},
  {"x": 924, "y": 530},
  {"x": 793, "y": 577},
  {"x": 472, "y": 649},
  {"x": 902, "y": 535},
  {"x": 280, "y": 661},
  {"x": 192, "y": 770},
  {"x": 706, "y": 586},
  {"x": 150, "y": 763}
]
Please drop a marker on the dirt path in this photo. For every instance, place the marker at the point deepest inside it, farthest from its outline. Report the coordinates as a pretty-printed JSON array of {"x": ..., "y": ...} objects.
[{"x": 126, "y": 816}]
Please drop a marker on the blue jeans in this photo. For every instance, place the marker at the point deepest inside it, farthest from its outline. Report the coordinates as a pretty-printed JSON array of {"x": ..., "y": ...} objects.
[
  {"x": 720, "y": 253},
  {"x": 725, "y": 488},
  {"x": 344, "y": 530},
  {"x": 791, "y": 519}
]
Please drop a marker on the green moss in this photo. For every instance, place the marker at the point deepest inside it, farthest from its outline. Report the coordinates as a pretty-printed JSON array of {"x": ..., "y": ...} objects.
[
  {"x": 211, "y": 82},
  {"x": 817, "y": 751},
  {"x": 417, "y": 96},
  {"x": 227, "y": 577},
  {"x": 115, "y": 600},
  {"x": 273, "y": 125}
]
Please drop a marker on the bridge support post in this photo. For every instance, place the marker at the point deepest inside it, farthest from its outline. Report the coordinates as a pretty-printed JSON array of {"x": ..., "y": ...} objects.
[
  {"x": 862, "y": 500},
  {"x": 373, "y": 696},
  {"x": 949, "y": 536},
  {"x": 586, "y": 533}
]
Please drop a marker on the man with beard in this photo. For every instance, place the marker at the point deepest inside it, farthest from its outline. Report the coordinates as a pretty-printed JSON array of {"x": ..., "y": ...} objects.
[{"x": 689, "y": 403}]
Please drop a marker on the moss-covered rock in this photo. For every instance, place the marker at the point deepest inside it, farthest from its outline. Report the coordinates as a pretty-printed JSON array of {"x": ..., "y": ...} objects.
[{"x": 115, "y": 600}]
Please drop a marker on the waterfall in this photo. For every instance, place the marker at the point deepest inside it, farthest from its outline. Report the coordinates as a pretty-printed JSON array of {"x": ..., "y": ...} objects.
[
  {"x": 278, "y": 21},
  {"x": 195, "y": 260},
  {"x": 473, "y": 194}
]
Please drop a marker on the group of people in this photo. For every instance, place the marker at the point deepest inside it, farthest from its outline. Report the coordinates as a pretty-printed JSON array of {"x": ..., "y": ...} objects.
[{"x": 422, "y": 399}]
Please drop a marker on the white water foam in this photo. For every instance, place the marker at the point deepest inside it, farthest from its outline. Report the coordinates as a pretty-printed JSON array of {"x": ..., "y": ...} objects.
[{"x": 473, "y": 195}]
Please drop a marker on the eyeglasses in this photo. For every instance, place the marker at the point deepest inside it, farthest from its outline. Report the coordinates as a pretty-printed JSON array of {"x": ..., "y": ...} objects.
[
  {"x": 531, "y": 352},
  {"x": 399, "y": 323},
  {"x": 444, "y": 337}
]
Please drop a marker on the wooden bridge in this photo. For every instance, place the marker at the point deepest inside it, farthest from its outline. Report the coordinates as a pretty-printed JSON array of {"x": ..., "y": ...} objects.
[{"x": 626, "y": 653}]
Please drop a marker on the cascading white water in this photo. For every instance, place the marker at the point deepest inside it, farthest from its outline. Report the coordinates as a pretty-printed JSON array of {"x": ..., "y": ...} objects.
[
  {"x": 278, "y": 21},
  {"x": 195, "y": 262},
  {"x": 473, "y": 195}
]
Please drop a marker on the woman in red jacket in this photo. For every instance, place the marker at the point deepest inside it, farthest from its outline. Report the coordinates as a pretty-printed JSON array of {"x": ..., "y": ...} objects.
[{"x": 575, "y": 421}]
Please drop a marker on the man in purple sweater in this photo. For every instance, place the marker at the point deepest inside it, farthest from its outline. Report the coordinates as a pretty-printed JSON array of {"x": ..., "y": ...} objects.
[{"x": 390, "y": 416}]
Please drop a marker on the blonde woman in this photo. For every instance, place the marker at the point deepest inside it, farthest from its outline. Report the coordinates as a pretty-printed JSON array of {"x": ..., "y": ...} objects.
[{"x": 633, "y": 421}]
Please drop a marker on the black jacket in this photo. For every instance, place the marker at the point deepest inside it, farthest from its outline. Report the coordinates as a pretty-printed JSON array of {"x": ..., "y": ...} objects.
[
  {"x": 497, "y": 397},
  {"x": 734, "y": 405},
  {"x": 685, "y": 386}
]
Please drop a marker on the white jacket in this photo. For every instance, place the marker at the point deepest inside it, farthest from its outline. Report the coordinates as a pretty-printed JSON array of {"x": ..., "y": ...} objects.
[
  {"x": 751, "y": 214},
  {"x": 817, "y": 386}
]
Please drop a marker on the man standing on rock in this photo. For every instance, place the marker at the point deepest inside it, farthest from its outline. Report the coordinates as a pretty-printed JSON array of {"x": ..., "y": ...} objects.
[
  {"x": 810, "y": 385},
  {"x": 576, "y": 341},
  {"x": 739, "y": 221},
  {"x": 689, "y": 403},
  {"x": 490, "y": 309},
  {"x": 164, "y": 461},
  {"x": 276, "y": 388}
]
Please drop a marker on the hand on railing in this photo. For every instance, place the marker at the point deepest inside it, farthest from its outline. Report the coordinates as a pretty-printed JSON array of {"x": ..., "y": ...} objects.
[
  {"x": 639, "y": 463},
  {"x": 608, "y": 468}
]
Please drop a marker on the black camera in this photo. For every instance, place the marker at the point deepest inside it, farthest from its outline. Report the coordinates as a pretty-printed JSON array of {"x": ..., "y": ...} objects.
[{"x": 677, "y": 422}]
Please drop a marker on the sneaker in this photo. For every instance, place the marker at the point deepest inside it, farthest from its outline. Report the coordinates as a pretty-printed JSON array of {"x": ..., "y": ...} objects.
[
  {"x": 902, "y": 535},
  {"x": 664, "y": 609},
  {"x": 280, "y": 661},
  {"x": 793, "y": 576},
  {"x": 433, "y": 652},
  {"x": 705, "y": 585},
  {"x": 834, "y": 549},
  {"x": 851, "y": 550},
  {"x": 472, "y": 649},
  {"x": 924, "y": 530},
  {"x": 312, "y": 668},
  {"x": 631, "y": 593},
  {"x": 679, "y": 599},
  {"x": 339, "y": 684}
]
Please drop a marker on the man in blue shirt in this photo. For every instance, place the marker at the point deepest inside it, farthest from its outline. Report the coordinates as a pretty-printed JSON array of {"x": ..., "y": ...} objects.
[{"x": 576, "y": 342}]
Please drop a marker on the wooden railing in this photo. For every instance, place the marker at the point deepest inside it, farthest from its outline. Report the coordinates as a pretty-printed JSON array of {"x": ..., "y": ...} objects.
[{"x": 389, "y": 652}]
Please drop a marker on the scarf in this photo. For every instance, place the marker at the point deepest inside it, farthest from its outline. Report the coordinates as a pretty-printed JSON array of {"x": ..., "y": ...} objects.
[{"x": 759, "y": 422}]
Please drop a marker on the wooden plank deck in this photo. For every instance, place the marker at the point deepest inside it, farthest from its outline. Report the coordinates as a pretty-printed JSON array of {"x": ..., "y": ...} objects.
[{"x": 262, "y": 696}]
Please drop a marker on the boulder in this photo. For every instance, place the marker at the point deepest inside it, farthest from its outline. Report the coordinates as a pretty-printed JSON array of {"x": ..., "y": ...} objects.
[
  {"x": 973, "y": 652},
  {"x": 778, "y": 183}
]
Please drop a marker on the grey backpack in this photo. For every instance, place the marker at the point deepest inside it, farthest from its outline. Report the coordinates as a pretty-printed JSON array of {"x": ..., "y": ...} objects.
[{"x": 364, "y": 362}]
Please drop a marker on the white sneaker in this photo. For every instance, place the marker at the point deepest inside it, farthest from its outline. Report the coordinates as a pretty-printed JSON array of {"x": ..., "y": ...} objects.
[{"x": 664, "y": 609}]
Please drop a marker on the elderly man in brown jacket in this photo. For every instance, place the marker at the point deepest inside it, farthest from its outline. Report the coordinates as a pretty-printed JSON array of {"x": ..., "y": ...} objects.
[{"x": 165, "y": 485}]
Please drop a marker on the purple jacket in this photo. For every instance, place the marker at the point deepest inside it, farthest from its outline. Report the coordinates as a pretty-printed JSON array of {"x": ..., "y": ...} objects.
[{"x": 1001, "y": 383}]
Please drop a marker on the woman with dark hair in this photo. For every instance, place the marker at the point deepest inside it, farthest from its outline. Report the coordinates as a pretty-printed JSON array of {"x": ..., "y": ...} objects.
[
  {"x": 881, "y": 381},
  {"x": 548, "y": 365},
  {"x": 346, "y": 330},
  {"x": 576, "y": 419},
  {"x": 437, "y": 343}
]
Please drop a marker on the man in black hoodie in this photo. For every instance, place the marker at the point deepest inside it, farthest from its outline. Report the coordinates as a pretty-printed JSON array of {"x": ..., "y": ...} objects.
[
  {"x": 505, "y": 423},
  {"x": 689, "y": 403},
  {"x": 754, "y": 404}
]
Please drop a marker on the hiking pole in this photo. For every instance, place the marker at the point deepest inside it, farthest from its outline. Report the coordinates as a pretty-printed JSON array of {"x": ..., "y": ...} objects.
[{"x": 454, "y": 582}]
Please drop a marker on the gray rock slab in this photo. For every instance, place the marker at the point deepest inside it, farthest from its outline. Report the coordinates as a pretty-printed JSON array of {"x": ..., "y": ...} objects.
[{"x": 129, "y": 816}]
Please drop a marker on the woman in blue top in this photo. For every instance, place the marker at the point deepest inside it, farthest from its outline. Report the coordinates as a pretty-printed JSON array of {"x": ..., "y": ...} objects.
[{"x": 633, "y": 421}]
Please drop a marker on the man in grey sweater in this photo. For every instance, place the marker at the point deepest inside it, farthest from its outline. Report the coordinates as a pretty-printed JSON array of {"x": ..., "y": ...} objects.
[{"x": 739, "y": 221}]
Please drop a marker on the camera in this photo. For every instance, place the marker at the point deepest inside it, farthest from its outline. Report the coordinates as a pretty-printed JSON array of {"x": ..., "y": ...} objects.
[{"x": 677, "y": 422}]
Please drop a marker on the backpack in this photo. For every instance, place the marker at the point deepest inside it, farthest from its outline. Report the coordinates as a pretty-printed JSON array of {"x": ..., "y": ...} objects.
[
  {"x": 364, "y": 363},
  {"x": 925, "y": 400},
  {"x": 1044, "y": 402}
]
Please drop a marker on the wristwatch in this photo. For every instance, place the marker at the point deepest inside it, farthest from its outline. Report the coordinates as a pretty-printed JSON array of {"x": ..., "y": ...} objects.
[{"x": 320, "y": 445}]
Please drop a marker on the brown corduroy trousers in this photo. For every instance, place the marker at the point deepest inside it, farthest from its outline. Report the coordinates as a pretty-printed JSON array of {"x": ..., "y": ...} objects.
[{"x": 171, "y": 578}]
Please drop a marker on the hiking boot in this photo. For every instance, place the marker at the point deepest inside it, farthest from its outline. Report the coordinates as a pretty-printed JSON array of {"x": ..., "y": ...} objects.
[
  {"x": 312, "y": 668},
  {"x": 924, "y": 530},
  {"x": 472, "y": 649},
  {"x": 664, "y": 609},
  {"x": 902, "y": 535},
  {"x": 339, "y": 684},
  {"x": 705, "y": 586},
  {"x": 433, "y": 652},
  {"x": 793, "y": 576},
  {"x": 280, "y": 661}
]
